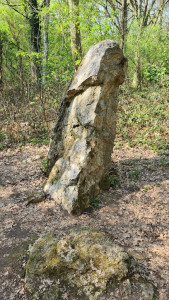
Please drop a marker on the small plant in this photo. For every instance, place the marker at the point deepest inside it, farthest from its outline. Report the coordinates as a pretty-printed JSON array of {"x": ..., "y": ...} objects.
[
  {"x": 113, "y": 180},
  {"x": 153, "y": 73},
  {"x": 134, "y": 174},
  {"x": 45, "y": 165},
  {"x": 164, "y": 162},
  {"x": 131, "y": 162},
  {"x": 94, "y": 202},
  {"x": 2, "y": 140},
  {"x": 2, "y": 135}
]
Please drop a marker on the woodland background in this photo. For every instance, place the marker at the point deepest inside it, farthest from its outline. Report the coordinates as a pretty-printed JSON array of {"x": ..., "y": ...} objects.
[{"x": 42, "y": 43}]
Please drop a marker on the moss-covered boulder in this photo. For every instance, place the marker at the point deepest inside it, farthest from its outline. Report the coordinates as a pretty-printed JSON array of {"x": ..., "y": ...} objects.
[{"x": 83, "y": 264}]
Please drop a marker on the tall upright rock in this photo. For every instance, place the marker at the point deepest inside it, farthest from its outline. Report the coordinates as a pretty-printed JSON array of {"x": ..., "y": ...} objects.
[{"x": 83, "y": 134}]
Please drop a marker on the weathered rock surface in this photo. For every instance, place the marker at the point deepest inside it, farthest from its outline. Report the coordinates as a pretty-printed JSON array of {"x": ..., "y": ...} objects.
[
  {"x": 36, "y": 198},
  {"x": 83, "y": 134},
  {"x": 83, "y": 264}
]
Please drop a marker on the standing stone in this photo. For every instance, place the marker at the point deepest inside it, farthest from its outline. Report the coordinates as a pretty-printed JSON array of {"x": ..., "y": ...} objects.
[{"x": 83, "y": 135}]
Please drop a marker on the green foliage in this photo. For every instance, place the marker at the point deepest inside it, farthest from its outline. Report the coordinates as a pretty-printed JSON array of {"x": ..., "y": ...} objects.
[
  {"x": 94, "y": 202},
  {"x": 144, "y": 120},
  {"x": 164, "y": 162},
  {"x": 45, "y": 164},
  {"x": 2, "y": 136},
  {"x": 156, "y": 74},
  {"x": 148, "y": 45},
  {"x": 152, "y": 73},
  {"x": 114, "y": 180},
  {"x": 95, "y": 25},
  {"x": 2, "y": 140},
  {"x": 134, "y": 174}
]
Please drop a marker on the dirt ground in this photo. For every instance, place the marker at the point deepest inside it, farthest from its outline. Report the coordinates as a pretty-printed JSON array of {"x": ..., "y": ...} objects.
[{"x": 135, "y": 212}]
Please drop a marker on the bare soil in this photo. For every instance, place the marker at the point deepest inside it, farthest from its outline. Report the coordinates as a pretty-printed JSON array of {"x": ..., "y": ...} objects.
[{"x": 135, "y": 212}]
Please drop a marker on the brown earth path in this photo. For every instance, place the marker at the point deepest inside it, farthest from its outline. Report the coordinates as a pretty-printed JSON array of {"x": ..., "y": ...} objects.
[{"x": 135, "y": 213}]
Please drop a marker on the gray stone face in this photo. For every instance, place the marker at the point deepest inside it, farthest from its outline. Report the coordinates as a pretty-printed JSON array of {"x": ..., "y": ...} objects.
[{"x": 83, "y": 134}]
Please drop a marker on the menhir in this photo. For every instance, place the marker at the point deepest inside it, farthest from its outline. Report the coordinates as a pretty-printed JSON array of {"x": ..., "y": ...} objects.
[{"x": 83, "y": 135}]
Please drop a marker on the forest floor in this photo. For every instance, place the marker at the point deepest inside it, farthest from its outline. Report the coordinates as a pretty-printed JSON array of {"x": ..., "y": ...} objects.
[{"x": 134, "y": 211}]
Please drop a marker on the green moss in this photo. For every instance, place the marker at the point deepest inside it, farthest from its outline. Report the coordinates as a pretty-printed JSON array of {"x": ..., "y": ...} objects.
[
  {"x": 51, "y": 293},
  {"x": 52, "y": 177},
  {"x": 84, "y": 262}
]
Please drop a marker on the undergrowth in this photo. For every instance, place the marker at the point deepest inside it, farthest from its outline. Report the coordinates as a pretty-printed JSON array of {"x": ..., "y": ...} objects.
[{"x": 142, "y": 121}]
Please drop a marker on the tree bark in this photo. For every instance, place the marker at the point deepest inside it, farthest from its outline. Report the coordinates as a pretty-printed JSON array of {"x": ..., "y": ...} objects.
[
  {"x": 1, "y": 48},
  {"x": 35, "y": 27},
  {"x": 140, "y": 7},
  {"x": 161, "y": 12},
  {"x": 137, "y": 75},
  {"x": 45, "y": 42},
  {"x": 75, "y": 32},
  {"x": 124, "y": 22}
]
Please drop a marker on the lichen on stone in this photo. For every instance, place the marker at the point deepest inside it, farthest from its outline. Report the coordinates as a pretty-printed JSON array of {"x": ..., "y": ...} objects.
[
  {"x": 84, "y": 131},
  {"x": 85, "y": 262}
]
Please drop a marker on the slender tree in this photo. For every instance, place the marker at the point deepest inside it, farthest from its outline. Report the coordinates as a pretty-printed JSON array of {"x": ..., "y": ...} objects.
[
  {"x": 29, "y": 9},
  {"x": 124, "y": 22},
  {"x": 75, "y": 32},
  {"x": 145, "y": 14},
  {"x": 1, "y": 72},
  {"x": 35, "y": 27},
  {"x": 45, "y": 41}
]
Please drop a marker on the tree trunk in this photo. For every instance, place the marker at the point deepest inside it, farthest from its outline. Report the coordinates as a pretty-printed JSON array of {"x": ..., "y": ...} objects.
[
  {"x": 75, "y": 32},
  {"x": 21, "y": 76},
  {"x": 45, "y": 42},
  {"x": 161, "y": 13},
  {"x": 35, "y": 39},
  {"x": 140, "y": 2},
  {"x": 137, "y": 74},
  {"x": 124, "y": 22},
  {"x": 1, "y": 72}
]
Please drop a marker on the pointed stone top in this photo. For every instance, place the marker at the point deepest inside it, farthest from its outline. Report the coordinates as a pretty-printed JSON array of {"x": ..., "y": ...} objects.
[{"x": 94, "y": 66}]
